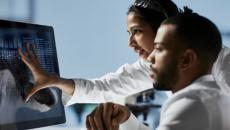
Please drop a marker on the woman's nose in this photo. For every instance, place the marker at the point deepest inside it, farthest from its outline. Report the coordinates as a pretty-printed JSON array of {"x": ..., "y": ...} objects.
[{"x": 131, "y": 41}]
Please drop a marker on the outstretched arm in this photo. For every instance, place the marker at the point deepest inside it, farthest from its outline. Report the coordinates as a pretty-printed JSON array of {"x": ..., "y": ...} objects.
[{"x": 127, "y": 80}]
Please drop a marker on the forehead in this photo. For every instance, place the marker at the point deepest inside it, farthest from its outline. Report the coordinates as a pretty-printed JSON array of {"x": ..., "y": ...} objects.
[
  {"x": 135, "y": 19},
  {"x": 166, "y": 36}
]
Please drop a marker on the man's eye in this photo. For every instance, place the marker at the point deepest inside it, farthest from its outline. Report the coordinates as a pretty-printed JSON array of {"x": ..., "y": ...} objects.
[{"x": 157, "y": 49}]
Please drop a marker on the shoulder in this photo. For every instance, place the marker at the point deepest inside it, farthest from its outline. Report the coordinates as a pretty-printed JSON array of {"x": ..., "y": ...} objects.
[
  {"x": 6, "y": 74},
  {"x": 191, "y": 101},
  {"x": 182, "y": 113},
  {"x": 140, "y": 65},
  {"x": 188, "y": 103},
  {"x": 200, "y": 91},
  {"x": 181, "y": 104}
]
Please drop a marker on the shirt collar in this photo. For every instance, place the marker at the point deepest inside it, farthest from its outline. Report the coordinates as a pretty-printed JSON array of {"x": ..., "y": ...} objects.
[{"x": 207, "y": 77}]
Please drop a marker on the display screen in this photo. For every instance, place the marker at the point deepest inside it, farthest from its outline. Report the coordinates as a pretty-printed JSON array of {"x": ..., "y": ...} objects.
[{"x": 45, "y": 107}]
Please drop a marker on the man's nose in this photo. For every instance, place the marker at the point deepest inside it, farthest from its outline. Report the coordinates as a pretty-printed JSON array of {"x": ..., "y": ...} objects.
[{"x": 151, "y": 57}]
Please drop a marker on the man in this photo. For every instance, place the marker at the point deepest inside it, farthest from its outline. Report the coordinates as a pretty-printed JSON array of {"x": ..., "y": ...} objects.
[{"x": 186, "y": 47}]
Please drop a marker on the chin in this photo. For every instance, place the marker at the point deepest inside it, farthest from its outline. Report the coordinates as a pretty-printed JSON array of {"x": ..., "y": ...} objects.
[{"x": 144, "y": 56}]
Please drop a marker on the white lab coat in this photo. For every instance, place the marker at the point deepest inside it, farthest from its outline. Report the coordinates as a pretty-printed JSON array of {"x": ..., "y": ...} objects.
[{"x": 200, "y": 106}]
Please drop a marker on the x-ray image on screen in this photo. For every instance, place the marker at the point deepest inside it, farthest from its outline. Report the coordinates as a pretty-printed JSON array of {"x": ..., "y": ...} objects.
[{"x": 45, "y": 107}]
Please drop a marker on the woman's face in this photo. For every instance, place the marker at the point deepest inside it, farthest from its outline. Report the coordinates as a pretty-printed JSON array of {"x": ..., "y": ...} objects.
[{"x": 141, "y": 35}]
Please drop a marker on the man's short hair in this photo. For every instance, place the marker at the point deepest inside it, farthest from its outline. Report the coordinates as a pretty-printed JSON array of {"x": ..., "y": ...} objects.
[{"x": 197, "y": 33}]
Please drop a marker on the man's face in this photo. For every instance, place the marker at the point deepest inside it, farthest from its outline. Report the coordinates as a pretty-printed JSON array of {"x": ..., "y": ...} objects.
[{"x": 164, "y": 59}]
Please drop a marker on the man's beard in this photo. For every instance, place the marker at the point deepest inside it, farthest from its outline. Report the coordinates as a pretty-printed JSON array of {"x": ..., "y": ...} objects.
[{"x": 165, "y": 79}]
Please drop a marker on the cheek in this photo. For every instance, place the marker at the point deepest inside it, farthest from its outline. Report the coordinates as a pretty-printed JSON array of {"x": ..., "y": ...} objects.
[
  {"x": 148, "y": 43},
  {"x": 161, "y": 61}
]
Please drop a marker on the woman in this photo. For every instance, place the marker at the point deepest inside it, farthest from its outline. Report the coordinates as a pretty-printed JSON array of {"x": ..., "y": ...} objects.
[{"x": 143, "y": 19}]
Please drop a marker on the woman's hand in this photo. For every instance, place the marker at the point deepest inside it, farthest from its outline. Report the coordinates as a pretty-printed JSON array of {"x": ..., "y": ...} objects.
[{"x": 42, "y": 79}]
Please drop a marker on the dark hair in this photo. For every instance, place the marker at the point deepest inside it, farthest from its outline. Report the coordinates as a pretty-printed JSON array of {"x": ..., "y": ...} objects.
[
  {"x": 197, "y": 33},
  {"x": 154, "y": 17}
]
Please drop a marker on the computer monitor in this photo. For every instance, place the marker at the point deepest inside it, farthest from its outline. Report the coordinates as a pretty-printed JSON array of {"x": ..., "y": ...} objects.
[{"x": 45, "y": 107}]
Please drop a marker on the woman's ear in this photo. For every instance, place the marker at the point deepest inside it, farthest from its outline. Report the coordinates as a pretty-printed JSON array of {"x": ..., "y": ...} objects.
[{"x": 188, "y": 59}]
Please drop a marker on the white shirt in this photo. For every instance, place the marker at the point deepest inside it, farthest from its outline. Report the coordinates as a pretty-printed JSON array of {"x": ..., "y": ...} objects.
[{"x": 200, "y": 106}]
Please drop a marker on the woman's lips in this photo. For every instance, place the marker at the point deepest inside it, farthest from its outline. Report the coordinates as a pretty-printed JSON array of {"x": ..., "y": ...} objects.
[
  {"x": 140, "y": 51},
  {"x": 137, "y": 50}
]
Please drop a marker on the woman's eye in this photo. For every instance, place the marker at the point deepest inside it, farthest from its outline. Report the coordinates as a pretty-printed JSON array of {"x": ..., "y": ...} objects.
[{"x": 135, "y": 31}]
